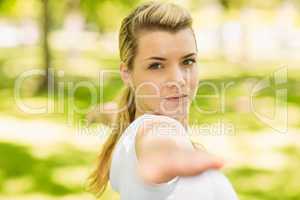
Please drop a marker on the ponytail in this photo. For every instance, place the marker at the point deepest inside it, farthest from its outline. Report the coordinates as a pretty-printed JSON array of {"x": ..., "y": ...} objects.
[{"x": 98, "y": 179}]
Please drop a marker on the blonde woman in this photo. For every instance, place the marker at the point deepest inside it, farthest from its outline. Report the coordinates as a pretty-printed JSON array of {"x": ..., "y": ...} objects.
[{"x": 149, "y": 154}]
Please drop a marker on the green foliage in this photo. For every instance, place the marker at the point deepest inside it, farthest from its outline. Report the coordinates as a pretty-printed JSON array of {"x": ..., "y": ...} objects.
[
  {"x": 18, "y": 9},
  {"x": 7, "y": 6},
  {"x": 106, "y": 14}
]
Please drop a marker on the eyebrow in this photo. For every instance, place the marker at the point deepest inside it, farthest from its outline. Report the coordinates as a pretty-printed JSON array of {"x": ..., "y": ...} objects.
[{"x": 161, "y": 58}]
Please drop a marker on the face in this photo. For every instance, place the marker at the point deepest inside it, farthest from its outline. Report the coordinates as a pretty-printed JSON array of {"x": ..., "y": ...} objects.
[{"x": 165, "y": 73}]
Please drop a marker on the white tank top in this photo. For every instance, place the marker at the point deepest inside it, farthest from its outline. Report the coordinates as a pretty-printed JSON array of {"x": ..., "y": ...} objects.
[{"x": 208, "y": 185}]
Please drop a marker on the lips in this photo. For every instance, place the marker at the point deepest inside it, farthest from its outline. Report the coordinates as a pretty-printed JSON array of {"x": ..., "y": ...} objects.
[{"x": 176, "y": 97}]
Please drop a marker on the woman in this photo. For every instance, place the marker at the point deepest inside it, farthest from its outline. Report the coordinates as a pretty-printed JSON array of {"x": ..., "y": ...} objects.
[{"x": 149, "y": 154}]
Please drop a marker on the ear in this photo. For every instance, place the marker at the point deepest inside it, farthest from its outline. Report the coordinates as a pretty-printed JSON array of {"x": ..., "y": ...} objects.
[{"x": 125, "y": 74}]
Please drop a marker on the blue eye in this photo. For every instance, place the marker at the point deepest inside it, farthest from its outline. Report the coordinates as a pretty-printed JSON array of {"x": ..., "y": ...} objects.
[
  {"x": 155, "y": 66},
  {"x": 189, "y": 61}
]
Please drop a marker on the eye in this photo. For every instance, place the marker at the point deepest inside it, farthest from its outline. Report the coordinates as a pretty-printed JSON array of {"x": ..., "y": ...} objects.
[
  {"x": 155, "y": 66},
  {"x": 189, "y": 61}
]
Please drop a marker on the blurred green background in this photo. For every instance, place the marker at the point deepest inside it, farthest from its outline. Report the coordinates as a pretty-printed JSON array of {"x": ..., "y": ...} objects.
[{"x": 46, "y": 150}]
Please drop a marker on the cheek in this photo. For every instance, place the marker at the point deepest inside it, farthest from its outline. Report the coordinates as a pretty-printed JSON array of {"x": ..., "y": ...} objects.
[
  {"x": 147, "y": 94},
  {"x": 146, "y": 84},
  {"x": 193, "y": 83},
  {"x": 147, "y": 87}
]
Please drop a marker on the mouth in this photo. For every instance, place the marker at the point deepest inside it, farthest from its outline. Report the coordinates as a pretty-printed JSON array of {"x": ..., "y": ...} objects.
[{"x": 177, "y": 97}]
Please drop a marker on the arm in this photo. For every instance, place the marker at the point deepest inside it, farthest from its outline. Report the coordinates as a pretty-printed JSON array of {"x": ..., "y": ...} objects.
[{"x": 163, "y": 156}]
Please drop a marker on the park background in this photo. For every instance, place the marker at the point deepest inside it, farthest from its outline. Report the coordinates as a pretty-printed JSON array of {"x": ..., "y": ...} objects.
[{"x": 46, "y": 149}]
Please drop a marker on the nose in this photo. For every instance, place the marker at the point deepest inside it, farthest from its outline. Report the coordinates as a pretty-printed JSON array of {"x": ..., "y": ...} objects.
[{"x": 177, "y": 77}]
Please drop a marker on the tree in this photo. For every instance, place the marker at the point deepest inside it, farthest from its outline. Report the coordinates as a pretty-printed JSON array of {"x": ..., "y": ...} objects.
[{"x": 45, "y": 43}]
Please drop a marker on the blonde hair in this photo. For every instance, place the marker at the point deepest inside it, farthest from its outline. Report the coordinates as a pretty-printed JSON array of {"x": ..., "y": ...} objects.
[{"x": 148, "y": 16}]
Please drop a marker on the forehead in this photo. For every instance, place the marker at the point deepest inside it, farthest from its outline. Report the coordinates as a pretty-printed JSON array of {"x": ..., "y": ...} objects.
[{"x": 164, "y": 43}]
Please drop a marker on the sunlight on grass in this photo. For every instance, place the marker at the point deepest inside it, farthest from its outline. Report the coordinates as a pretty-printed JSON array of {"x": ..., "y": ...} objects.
[
  {"x": 70, "y": 176},
  {"x": 17, "y": 185}
]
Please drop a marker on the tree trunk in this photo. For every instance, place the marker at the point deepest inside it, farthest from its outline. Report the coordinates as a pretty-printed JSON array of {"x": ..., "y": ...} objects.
[{"x": 45, "y": 44}]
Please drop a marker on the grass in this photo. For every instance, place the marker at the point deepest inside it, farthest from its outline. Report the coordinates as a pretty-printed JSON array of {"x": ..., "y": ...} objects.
[
  {"x": 19, "y": 163},
  {"x": 255, "y": 183}
]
